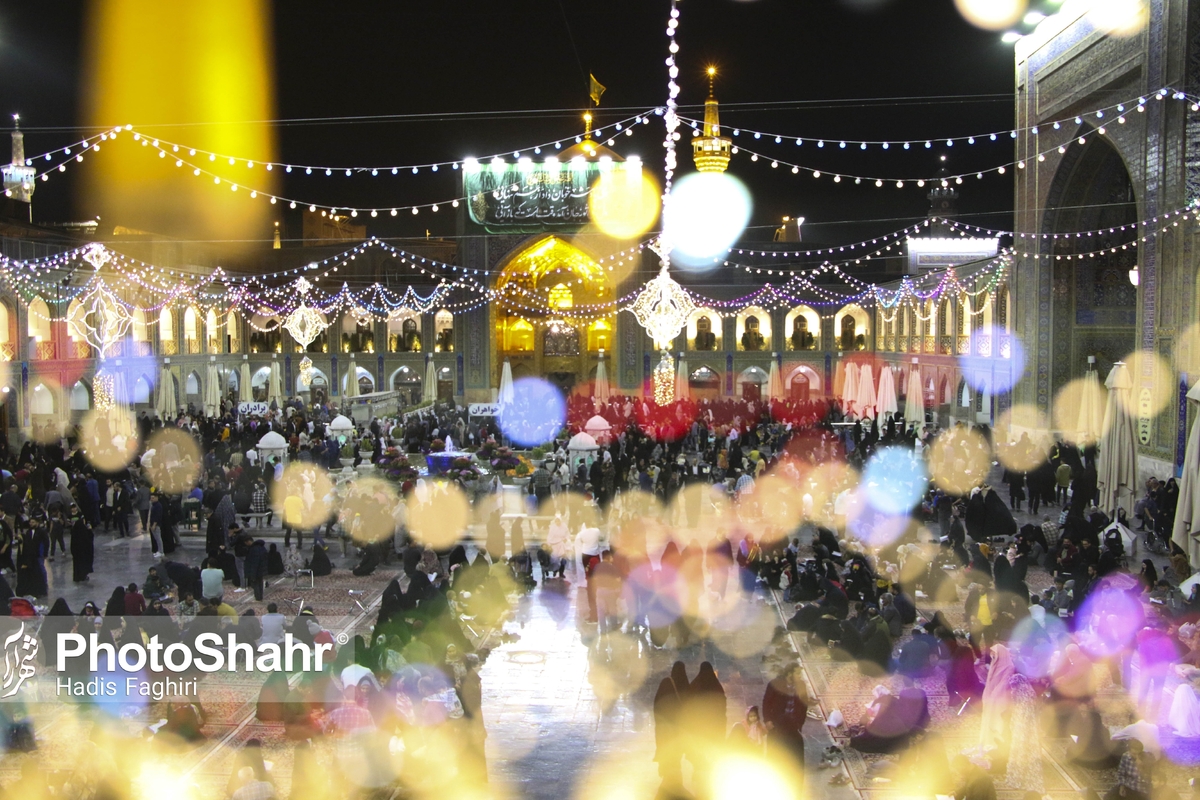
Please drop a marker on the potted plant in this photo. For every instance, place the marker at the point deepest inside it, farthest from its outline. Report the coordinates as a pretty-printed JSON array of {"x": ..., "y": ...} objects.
[
  {"x": 395, "y": 467},
  {"x": 347, "y": 454},
  {"x": 366, "y": 448},
  {"x": 464, "y": 471},
  {"x": 437, "y": 446}
]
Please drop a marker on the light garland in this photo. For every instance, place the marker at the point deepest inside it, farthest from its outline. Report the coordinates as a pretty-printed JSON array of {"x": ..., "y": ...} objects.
[
  {"x": 950, "y": 141},
  {"x": 625, "y": 126}
]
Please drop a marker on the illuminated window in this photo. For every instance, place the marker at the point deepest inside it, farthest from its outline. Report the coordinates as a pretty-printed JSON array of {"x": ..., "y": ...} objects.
[
  {"x": 599, "y": 335},
  {"x": 561, "y": 297},
  {"x": 519, "y": 336}
]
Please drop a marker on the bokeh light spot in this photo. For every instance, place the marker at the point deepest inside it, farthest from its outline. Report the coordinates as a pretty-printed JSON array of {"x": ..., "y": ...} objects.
[
  {"x": 624, "y": 204},
  {"x": 438, "y": 519},
  {"x": 313, "y": 488},
  {"x": 536, "y": 414},
  {"x": 1153, "y": 384},
  {"x": 175, "y": 466},
  {"x": 1029, "y": 440},
  {"x": 893, "y": 480},
  {"x": 109, "y": 438},
  {"x": 959, "y": 460},
  {"x": 992, "y": 15},
  {"x": 1079, "y": 411},
  {"x": 990, "y": 373},
  {"x": 707, "y": 213}
]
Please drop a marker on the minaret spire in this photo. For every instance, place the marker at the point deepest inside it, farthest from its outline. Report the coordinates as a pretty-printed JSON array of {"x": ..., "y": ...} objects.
[
  {"x": 711, "y": 151},
  {"x": 18, "y": 176}
]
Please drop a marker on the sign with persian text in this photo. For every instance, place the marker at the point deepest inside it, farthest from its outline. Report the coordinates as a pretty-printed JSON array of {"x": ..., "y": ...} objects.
[{"x": 529, "y": 196}]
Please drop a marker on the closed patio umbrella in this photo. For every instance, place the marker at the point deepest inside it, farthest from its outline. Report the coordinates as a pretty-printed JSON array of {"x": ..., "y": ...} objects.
[
  {"x": 1091, "y": 412},
  {"x": 1116, "y": 466},
  {"x": 430, "y": 388},
  {"x": 212, "y": 390},
  {"x": 599, "y": 391},
  {"x": 682, "y": 390},
  {"x": 506, "y": 383},
  {"x": 352, "y": 378},
  {"x": 167, "y": 405},
  {"x": 914, "y": 401},
  {"x": 839, "y": 378},
  {"x": 886, "y": 402},
  {"x": 850, "y": 388},
  {"x": 275, "y": 386},
  {"x": 866, "y": 392},
  {"x": 1187, "y": 509},
  {"x": 245, "y": 392},
  {"x": 774, "y": 382}
]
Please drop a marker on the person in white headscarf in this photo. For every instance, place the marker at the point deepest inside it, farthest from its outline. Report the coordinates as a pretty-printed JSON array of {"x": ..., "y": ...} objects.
[
  {"x": 1184, "y": 715},
  {"x": 996, "y": 698},
  {"x": 557, "y": 542}
]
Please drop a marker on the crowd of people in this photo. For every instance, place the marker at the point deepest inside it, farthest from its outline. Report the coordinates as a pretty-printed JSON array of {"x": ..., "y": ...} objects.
[{"x": 940, "y": 600}]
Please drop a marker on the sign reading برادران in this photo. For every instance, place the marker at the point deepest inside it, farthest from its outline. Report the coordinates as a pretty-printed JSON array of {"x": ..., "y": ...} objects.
[{"x": 534, "y": 196}]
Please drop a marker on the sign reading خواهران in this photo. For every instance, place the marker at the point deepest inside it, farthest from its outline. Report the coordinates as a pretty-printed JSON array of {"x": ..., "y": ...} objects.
[
  {"x": 530, "y": 197},
  {"x": 484, "y": 409}
]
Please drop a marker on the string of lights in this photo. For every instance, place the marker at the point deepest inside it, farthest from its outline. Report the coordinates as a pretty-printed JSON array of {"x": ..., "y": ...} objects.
[
  {"x": 1102, "y": 113},
  {"x": 610, "y": 131}
]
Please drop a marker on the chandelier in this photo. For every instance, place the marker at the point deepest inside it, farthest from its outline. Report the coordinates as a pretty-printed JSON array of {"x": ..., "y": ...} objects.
[
  {"x": 102, "y": 319},
  {"x": 663, "y": 307},
  {"x": 304, "y": 325}
]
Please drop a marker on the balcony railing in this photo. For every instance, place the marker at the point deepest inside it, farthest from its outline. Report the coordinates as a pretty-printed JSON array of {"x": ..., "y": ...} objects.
[
  {"x": 963, "y": 345},
  {"x": 946, "y": 347},
  {"x": 889, "y": 342},
  {"x": 80, "y": 350},
  {"x": 192, "y": 346},
  {"x": 983, "y": 345},
  {"x": 8, "y": 351},
  {"x": 1005, "y": 345},
  {"x": 44, "y": 351},
  {"x": 168, "y": 347},
  {"x": 901, "y": 344},
  {"x": 931, "y": 344}
]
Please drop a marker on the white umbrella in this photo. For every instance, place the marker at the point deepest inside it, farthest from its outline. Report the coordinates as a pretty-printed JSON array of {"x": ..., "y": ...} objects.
[
  {"x": 167, "y": 404},
  {"x": 429, "y": 393},
  {"x": 914, "y": 402},
  {"x": 275, "y": 386},
  {"x": 774, "y": 382},
  {"x": 866, "y": 392},
  {"x": 506, "y": 383},
  {"x": 886, "y": 402},
  {"x": 850, "y": 388},
  {"x": 599, "y": 392},
  {"x": 681, "y": 379},
  {"x": 245, "y": 392},
  {"x": 1116, "y": 466},
  {"x": 212, "y": 391},
  {"x": 1187, "y": 509},
  {"x": 352, "y": 378},
  {"x": 1091, "y": 415},
  {"x": 839, "y": 379},
  {"x": 948, "y": 399}
]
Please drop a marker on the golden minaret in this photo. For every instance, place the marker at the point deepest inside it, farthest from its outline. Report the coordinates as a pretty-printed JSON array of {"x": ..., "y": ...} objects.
[{"x": 711, "y": 151}]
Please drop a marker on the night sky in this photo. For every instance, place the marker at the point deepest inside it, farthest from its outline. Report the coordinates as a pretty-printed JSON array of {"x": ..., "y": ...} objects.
[{"x": 820, "y": 68}]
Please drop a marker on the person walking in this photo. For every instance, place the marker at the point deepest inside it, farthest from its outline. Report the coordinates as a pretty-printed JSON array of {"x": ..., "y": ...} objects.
[{"x": 784, "y": 709}]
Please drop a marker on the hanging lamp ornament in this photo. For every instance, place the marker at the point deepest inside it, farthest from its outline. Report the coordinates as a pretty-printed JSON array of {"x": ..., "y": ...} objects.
[
  {"x": 102, "y": 319},
  {"x": 97, "y": 255},
  {"x": 305, "y": 325},
  {"x": 663, "y": 307}
]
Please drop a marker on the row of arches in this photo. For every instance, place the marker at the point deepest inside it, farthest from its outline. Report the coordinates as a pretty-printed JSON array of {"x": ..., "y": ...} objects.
[
  {"x": 801, "y": 329},
  {"x": 949, "y": 317},
  {"x": 213, "y": 332}
]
